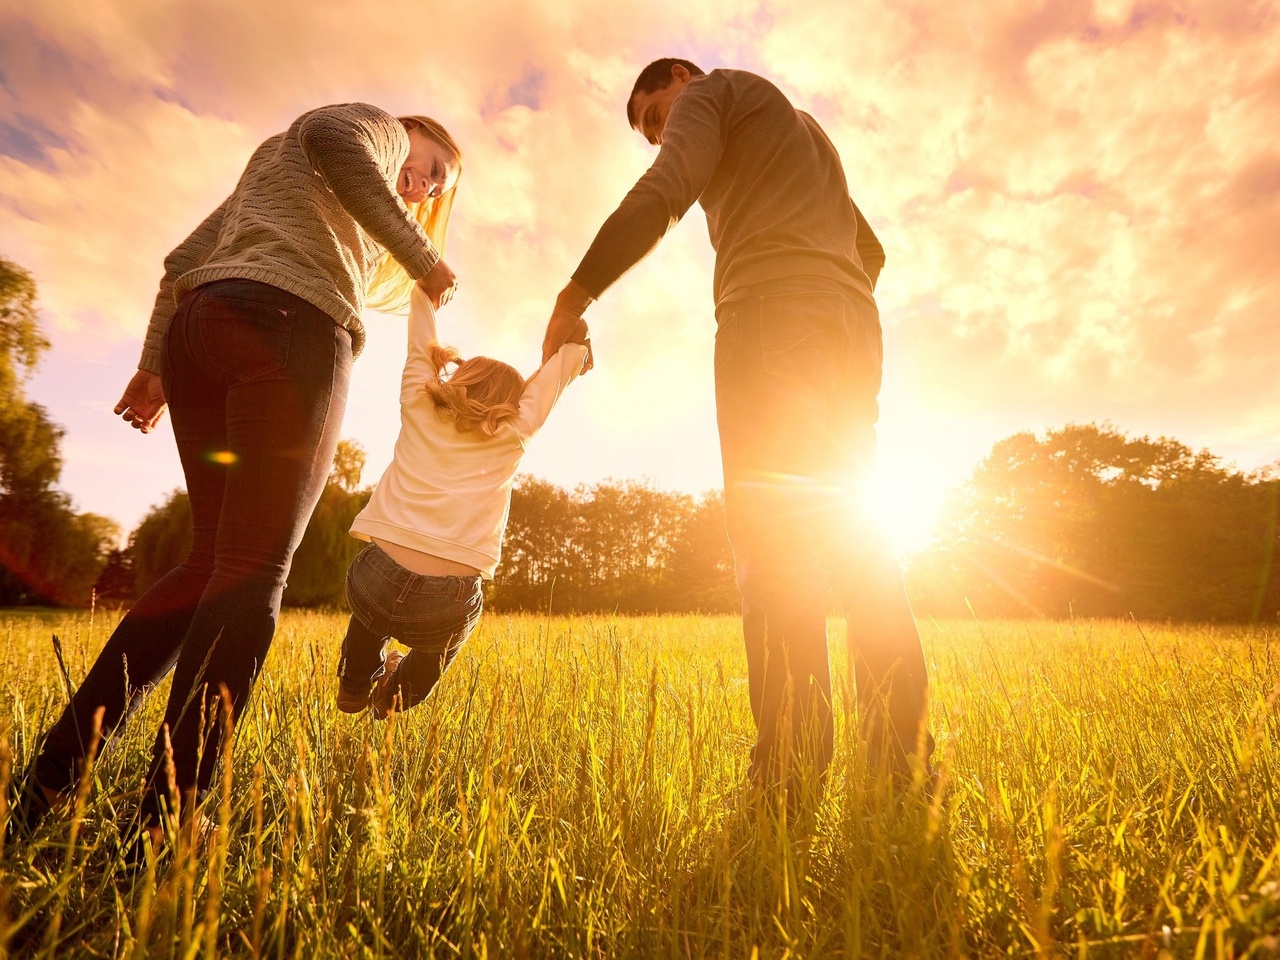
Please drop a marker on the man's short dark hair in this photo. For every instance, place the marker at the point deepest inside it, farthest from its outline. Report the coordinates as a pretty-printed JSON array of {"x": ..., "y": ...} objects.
[{"x": 656, "y": 76}]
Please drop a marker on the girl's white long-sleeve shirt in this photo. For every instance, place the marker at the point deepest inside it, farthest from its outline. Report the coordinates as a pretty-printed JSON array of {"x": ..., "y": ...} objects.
[{"x": 448, "y": 493}]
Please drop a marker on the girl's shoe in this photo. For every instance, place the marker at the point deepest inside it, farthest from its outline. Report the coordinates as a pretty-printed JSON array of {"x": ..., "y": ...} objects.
[
  {"x": 352, "y": 699},
  {"x": 386, "y": 691}
]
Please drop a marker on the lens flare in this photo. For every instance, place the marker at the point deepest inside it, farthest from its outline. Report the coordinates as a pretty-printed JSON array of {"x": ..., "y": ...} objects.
[{"x": 224, "y": 457}]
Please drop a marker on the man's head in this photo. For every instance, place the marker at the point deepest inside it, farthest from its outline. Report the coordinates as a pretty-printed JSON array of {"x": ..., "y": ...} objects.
[{"x": 656, "y": 89}]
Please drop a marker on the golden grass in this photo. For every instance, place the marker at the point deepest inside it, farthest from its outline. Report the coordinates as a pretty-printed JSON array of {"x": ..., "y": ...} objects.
[{"x": 575, "y": 788}]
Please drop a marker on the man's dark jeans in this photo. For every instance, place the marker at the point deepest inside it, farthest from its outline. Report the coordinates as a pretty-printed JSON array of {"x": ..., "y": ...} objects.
[
  {"x": 433, "y": 616},
  {"x": 256, "y": 380},
  {"x": 797, "y": 374}
]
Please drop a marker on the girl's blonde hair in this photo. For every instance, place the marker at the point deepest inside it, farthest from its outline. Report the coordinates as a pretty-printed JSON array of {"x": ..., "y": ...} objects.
[
  {"x": 390, "y": 286},
  {"x": 481, "y": 394}
]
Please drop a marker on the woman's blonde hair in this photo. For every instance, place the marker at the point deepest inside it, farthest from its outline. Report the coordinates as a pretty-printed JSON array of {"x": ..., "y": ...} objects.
[
  {"x": 390, "y": 286},
  {"x": 481, "y": 394}
]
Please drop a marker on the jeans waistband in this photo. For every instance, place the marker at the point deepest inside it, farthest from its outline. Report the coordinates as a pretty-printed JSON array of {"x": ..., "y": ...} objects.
[
  {"x": 782, "y": 286},
  {"x": 380, "y": 562},
  {"x": 257, "y": 292}
]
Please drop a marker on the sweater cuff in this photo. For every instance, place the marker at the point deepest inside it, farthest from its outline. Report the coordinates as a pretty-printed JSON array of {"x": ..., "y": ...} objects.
[
  {"x": 150, "y": 361},
  {"x": 422, "y": 263}
]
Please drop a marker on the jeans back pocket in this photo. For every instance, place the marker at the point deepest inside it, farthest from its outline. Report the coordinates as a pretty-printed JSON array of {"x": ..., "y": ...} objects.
[
  {"x": 243, "y": 339},
  {"x": 802, "y": 337}
]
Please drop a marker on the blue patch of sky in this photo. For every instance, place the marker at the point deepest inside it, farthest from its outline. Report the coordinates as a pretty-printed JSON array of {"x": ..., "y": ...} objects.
[
  {"x": 528, "y": 91},
  {"x": 28, "y": 141},
  {"x": 170, "y": 95}
]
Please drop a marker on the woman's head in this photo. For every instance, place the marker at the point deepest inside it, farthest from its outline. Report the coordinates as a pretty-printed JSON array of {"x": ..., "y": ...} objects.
[
  {"x": 434, "y": 163},
  {"x": 426, "y": 183},
  {"x": 481, "y": 393}
]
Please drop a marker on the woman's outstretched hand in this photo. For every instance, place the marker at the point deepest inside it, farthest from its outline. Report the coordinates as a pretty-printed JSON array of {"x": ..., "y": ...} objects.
[
  {"x": 439, "y": 285},
  {"x": 143, "y": 402}
]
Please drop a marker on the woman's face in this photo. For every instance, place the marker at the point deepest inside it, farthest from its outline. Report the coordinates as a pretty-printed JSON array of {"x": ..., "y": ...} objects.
[{"x": 430, "y": 169}]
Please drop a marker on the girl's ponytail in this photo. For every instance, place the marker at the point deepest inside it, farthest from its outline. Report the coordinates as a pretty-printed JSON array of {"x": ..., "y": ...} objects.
[{"x": 481, "y": 394}]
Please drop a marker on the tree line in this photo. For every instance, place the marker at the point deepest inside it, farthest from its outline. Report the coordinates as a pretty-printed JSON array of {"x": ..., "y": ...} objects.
[
  {"x": 49, "y": 552},
  {"x": 615, "y": 546},
  {"x": 1082, "y": 520}
]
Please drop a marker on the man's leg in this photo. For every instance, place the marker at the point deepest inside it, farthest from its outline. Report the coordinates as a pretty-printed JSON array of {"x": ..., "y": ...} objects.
[
  {"x": 773, "y": 356},
  {"x": 884, "y": 644}
]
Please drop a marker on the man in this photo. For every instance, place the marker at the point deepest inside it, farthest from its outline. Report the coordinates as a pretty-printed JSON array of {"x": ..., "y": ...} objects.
[{"x": 797, "y": 366}]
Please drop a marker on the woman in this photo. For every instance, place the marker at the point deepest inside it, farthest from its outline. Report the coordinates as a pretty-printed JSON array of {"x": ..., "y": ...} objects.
[{"x": 250, "y": 345}]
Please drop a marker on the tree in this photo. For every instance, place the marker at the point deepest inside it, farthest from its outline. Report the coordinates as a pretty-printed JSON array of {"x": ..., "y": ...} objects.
[
  {"x": 348, "y": 465},
  {"x": 1086, "y": 520},
  {"x": 48, "y": 552},
  {"x": 700, "y": 574},
  {"x": 161, "y": 541},
  {"x": 622, "y": 546},
  {"x": 319, "y": 573},
  {"x": 114, "y": 585}
]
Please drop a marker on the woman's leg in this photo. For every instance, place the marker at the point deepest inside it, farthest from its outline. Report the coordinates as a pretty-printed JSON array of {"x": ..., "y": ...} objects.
[
  {"x": 286, "y": 365},
  {"x": 144, "y": 646}
]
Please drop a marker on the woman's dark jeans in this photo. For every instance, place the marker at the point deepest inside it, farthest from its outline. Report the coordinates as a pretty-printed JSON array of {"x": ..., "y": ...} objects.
[
  {"x": 256, "y": 380},
  {"x": 433, "y": 616},
  {"x": 797, "y": 375}
]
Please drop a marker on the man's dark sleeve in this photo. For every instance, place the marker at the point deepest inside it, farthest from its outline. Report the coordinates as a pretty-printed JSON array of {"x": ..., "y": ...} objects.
[
  {"x": 869, "y": 250},
  {"x": 691, "y": 150}
]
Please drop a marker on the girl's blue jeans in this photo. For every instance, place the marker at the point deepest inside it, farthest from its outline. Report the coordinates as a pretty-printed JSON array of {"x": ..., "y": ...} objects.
[{"x": 433, "y": 616}]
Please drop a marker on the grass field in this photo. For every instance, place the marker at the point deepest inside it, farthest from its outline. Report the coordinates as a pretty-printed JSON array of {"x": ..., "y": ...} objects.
[{"x": 574, "y": 788}]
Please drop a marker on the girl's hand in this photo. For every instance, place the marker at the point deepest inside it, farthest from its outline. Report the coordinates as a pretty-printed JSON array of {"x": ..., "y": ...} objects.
[
  {"x": 439, "y": 285},
  {"x": 582, "y": 335},
  {"x": 143, "y": 402}
]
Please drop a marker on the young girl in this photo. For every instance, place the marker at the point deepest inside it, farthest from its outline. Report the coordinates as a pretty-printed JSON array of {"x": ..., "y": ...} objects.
[{"x": 436, "y": 518}]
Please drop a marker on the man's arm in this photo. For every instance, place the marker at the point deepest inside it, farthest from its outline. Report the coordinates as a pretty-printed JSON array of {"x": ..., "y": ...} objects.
[
  {"x": 869, "y": 249},
  {"x": 690, "y": 152}
]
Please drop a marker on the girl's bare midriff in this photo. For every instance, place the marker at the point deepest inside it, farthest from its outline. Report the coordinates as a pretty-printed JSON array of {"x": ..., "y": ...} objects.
[{"x": 425, "y": 564}]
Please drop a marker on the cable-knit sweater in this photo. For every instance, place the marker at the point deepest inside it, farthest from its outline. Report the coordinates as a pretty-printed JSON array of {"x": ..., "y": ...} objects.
[{"x": 312, "y": 214}]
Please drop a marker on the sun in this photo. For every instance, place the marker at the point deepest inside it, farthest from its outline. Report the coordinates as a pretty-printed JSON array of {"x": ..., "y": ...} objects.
[{"x": 906, "y": 503}]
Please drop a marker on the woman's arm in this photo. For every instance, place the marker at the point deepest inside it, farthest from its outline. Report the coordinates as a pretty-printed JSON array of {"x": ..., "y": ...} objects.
[
  {"x": 186, "y": 256},
  {"x": 358, "y": 150}
]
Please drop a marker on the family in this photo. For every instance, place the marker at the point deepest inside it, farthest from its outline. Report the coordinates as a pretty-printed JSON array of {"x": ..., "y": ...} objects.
[{"x": 250, "y": 345}]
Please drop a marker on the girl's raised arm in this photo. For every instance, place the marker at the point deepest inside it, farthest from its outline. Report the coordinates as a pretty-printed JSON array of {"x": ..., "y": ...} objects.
[
  {"x": 419, "y": 365},
  {"x": 544, "y": 388}
]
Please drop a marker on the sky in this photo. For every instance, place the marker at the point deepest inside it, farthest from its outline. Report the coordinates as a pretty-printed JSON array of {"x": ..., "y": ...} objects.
[{"x": 1079, "y": 202}]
